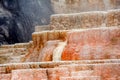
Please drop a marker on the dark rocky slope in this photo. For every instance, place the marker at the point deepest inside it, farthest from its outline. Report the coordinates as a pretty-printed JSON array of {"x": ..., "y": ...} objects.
[{"x": 18, "y": 18}]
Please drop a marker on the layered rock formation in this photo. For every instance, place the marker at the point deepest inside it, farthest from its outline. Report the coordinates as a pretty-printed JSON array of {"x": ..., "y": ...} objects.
[
  {"x": 77, "y": 46},
  {"x": 96, "y": 42},
  {"x": 92, "y": 44},
  {"x": 85, "y": 20},
  {"x": 13, "y": 53},
  {"x": 75, "y": 70},
  {"x": 18, "y": 17}
]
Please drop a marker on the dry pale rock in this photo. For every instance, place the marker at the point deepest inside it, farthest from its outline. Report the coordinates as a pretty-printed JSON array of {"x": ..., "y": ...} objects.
[
  {"x": 29, "y": 74},
  {"x": 76, "y": 6},
  {"x": 113, "y": 18},
  {"x": 5, "y": 76},
  {"x": 56, "y": 73},
  {"x": 81, "y": 78},
  {"x": 42, "y": 28},
  {"x": 78, "y": 20}
]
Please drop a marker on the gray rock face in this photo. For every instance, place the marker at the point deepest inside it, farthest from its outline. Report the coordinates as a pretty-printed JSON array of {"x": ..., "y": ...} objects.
[{"x": 18, "y": 18}]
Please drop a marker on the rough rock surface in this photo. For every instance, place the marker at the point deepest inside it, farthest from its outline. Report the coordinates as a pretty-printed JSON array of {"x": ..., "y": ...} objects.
[
  {"x": 102, "y": 43},
  {"x": 100, "y": 71},
  {"x": 93, "y": 53},
  {"x": 81, "y": 44},
  {"x": 29, "y": 74},
  {"x": 75, "y": 6},
  {"x": 18, "y": 18},
  {"x": 91, "y": 19},
  {"x": 13, "y": 53},
  {"x": 42, "y": 28}
]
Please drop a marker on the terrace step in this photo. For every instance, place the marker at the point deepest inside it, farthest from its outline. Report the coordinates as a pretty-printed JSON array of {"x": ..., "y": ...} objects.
[
  {"x": 90, "y": 19},
  {"x": 4, "y": 51},
  {"x": 42, "y": 28},
  {"x": 80, "y": 44},
  {"x": 29, "y": 74},
  {"x": 10, "y": 58},
  {"x": 5, "y": 76},
  {"x": 15, "y": 51},
  {"x": 7, "y": 68},
  {"x": 56, "y": 73},
  {"x": 81, "y": 78},
  {"x": 82, "y": 73},
  {"x": 17, "y": 45},
  {"x": 6, "y": 54},
  {"x": 43, "y": 70},
  {"x": 16, "y": 59},
  {"x": 105, "y": 71}
]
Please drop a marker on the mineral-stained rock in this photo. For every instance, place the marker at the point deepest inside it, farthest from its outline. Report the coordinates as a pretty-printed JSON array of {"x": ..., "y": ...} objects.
[
  {"x": 4, "y": 59},
  {"x": 29, "y": 74},
  {"x": 81, "y": 78},
  {"x": 82, "y": 73},
  {"x": 81, "y": 44},
  {"x": 39, "y": 38},
  {"x": 92, "y": 44},
  {"x": 18, "y": 17},
  {"x": 71, "y": 65},
  {"x": 56, "y": 73},
  {"x": 5, "y": 76},
  {"x": 107, "y": 71},
  {"x": 39, "y": 41},
  {"x": 14, "y": 53}
]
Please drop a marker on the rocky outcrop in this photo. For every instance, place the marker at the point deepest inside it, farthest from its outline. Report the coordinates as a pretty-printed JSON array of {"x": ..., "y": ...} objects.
[{"x": 18, "y": 19}]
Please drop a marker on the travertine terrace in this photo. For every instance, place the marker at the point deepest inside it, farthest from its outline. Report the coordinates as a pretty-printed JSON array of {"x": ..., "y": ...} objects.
[{"x": 75, "y": 46}]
